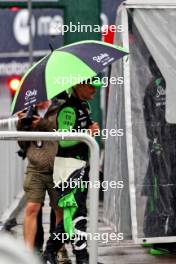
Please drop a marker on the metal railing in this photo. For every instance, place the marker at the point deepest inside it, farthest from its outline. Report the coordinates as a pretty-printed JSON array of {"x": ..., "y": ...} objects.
[
  {"x": 94, "y": 170},
  {"x": 8, "y": 123}
]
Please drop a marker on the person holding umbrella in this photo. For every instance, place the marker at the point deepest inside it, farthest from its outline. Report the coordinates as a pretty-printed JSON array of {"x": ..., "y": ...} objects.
[{"x": 75, "y": 114}]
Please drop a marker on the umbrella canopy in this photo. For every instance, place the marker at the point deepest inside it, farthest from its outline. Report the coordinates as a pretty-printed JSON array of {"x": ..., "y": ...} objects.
[{"x": 62, "y": 69}]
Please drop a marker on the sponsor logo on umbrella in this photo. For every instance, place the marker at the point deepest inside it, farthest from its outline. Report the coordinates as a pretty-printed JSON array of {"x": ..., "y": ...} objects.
[
  {"x": 30, "y": 96},
  {"x": 103, "y": 58}
]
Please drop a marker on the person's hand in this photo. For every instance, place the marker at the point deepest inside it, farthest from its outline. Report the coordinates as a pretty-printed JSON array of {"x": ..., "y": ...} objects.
[
  {"x": 94, "y": 128},
  {"x": 21, "y": 114},
  {"x": 36, "y": 120}
]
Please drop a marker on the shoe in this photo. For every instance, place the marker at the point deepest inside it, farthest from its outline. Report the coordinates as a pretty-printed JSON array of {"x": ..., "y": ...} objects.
[
  {"x": 39, "y": 251},
  {"x": 146, "y": 245},
  {"x": 10, "y": 224},
  {"x": 84, "y": 261},
  {"x": 50, "y": 258},
  {"x": 163, "y": 249},
  {"x": 159, "y": 252},
  {"x": 63, "y": 257}
]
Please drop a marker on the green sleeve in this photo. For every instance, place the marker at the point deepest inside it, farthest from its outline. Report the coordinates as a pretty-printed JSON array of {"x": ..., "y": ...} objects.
[{"x": 66, "y": 121}]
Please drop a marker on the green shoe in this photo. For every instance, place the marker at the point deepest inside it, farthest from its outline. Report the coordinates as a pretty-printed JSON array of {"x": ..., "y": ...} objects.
[
  {"x": 159, "y": 252},
  {"x": 146, "y": 245}
]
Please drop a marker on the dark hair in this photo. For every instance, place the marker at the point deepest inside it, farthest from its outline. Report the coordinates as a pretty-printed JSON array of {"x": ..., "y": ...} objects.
[{"x": 63, "y": 96}]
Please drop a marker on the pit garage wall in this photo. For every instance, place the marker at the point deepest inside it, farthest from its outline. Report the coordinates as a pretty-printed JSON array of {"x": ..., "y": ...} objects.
[{"x": 157, "y": 28}]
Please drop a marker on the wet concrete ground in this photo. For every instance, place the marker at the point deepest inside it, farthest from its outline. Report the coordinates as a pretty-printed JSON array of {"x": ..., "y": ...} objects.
[{"x": 108, "y": 253}]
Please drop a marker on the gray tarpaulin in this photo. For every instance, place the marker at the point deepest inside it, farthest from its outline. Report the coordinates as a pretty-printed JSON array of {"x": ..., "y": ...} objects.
[
  {"x": 158, "y": 29},
  {"x": 145, "y": 158},
  {"x": 155, "y": 169},
  {"x": 116, "y": 201}
]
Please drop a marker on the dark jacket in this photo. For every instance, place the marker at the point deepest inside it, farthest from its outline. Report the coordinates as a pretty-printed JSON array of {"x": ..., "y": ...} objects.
[{"x": 76, "y": 114}]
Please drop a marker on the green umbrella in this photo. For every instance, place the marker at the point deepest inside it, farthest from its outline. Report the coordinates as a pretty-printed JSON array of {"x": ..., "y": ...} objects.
[{"x": 62, "y": 69}]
